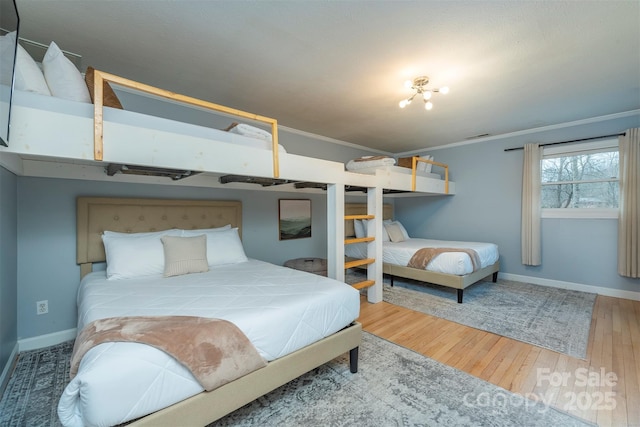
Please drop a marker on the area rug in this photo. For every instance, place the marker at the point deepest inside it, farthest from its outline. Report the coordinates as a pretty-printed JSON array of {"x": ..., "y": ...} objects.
[
  {"x": 552, "y": 318},
  {"x": 393, "y": 387}
]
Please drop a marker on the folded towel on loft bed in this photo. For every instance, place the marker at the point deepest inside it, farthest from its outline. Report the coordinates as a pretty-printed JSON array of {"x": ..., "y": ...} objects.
[
  {"x": 370, "y": 161},
  {"x": 249, "y": 131}
]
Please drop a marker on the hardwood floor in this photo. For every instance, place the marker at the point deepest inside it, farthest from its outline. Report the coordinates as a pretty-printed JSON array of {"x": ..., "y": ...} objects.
[{"x": 604, "y": 389}]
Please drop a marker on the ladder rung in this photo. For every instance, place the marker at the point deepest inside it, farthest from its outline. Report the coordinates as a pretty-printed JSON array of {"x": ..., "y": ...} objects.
[
  {"x": 359, "y": 216},
  {"x": 359, "y": 240},
  {"x": 358, "y": 262},
  {"x": 364, "y": 284}
]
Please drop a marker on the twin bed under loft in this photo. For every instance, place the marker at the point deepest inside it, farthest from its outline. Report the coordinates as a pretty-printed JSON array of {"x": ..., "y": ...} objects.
[{"x": 61, "y": 138}]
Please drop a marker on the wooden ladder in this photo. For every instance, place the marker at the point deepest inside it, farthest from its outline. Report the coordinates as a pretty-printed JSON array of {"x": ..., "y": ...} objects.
[{"x": 360, "y": 262}]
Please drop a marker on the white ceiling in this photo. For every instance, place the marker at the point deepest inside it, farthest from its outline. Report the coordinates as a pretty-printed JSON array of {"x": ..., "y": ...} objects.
[{"x": 337, "y": 68}]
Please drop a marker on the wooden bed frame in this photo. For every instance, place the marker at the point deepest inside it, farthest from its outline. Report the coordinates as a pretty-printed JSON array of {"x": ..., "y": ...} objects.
[
  {"x": 450, "y": 280},
  {"x": 97, "y": 214}
]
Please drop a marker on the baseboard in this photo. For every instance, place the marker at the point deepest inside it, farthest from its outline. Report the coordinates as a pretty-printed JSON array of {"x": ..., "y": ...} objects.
[
  {"x": 46, "y": 340},
  {"x": 8, "y": 368},
  {"x": 600, "y": 290}
]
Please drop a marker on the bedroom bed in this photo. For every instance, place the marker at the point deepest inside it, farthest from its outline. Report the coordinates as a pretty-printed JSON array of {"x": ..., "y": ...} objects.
[
  {"x": 314, "y": 316},
  {"x": 458, "y": 269}
]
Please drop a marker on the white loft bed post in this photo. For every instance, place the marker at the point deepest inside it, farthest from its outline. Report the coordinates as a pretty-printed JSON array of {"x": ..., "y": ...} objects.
[
  {"x": 335, "y": 231},
  {"x": 374, "y": 248}
]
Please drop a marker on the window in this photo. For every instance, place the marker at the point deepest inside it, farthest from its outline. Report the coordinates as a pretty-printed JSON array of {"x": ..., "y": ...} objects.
[{"x": 581, "y": 181}]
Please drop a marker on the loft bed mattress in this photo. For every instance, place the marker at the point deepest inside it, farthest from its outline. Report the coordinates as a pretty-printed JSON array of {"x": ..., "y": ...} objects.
[
  {"x": 457, "y": 263},
  {"x": 280, "y": 310},
  {"x": 372, "y": 170},
  {"x": 136, "y": 120}
]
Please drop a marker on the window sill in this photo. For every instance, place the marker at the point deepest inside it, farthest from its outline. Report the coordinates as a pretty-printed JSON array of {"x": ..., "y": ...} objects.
[{"x": 580, "y": 213}]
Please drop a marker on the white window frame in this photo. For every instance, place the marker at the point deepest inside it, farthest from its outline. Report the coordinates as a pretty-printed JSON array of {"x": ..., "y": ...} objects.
[{"x": 584, "y": 213}]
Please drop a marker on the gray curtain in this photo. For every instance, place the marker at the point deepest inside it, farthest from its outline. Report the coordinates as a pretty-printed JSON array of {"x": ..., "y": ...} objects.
[
  {"x": 530, "y": 232},
  {"x": 629, "y": 218}
]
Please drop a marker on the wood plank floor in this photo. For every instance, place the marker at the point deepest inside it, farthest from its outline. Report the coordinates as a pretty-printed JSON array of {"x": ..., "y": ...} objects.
[{"x": 604, "y": 389}]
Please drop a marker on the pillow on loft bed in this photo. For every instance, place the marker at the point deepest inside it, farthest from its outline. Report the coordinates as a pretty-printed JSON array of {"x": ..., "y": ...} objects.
[
  {"x": 63, "y": 78},
  {"x": 109, "y": 97},
  {"x": 28, "y": 76},
  {"x": 249, "y": 131},
  {"x": 370, "y": 161},
  {"x": 7, "y": 51}
]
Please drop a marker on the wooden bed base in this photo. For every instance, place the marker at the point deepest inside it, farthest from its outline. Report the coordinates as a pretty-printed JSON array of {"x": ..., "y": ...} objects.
[
  {"x": 206, "y": 407},
  {"x": 97, "y": 214},
  {"x": 450, "y": 280}
]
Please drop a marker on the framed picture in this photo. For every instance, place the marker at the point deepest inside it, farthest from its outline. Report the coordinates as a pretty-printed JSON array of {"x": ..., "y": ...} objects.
[{"x": 294, "y": 218}]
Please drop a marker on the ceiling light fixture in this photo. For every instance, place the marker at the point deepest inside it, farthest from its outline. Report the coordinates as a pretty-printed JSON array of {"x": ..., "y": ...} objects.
[{"x": 419, "y": 84}]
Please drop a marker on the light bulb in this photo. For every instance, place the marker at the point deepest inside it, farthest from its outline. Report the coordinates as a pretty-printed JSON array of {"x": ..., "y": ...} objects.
[
  {"x": 426, "y": 95},
  {"x": 444, "y": 90},
  {"x": 428, "y": 105},
  {"x": 403, "y": 103},
  {"x": 408, "y": 84}
]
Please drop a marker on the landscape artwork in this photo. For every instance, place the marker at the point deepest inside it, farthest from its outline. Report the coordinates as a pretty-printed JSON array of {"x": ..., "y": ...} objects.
[{"x": 294, "y": 219}]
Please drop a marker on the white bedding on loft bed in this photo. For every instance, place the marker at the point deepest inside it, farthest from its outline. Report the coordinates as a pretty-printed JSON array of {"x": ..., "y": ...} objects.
[
  {"x": 279, "y": 309},
  {"x": 458, "y": 263},
  {"x": 137, "y": 120},
  {"x": 372, "y": 170}
]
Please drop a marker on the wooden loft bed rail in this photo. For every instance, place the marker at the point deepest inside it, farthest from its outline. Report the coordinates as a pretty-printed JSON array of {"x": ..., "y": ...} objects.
[
  {"x": 101, "y": 76},
  {"x": 414, "y": 164}
]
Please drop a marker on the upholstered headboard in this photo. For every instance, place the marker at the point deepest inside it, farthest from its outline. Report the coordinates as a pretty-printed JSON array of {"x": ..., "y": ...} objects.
[
  {"x": 97, "y": 214},
  {"x": 361, "y": 209}
]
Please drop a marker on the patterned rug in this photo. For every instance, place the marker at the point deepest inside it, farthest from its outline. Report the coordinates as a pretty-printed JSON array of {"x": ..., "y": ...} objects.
[
  {"x": 394, "y": 387},
  {"x": 36, "y": 384},
  {"x": 552, "y": 318}
]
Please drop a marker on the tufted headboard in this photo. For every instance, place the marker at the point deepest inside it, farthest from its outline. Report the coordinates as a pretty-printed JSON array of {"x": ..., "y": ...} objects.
[{"x": 129, "y": 215}]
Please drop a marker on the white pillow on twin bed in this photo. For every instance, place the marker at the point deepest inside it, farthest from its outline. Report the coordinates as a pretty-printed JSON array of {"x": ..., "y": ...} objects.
[
  {"x": 385, "y": 235},
  {"x": 396, "y": 227},
  {"x": 358, "y": 227},
  {"x": 63, "y": 78},
  {"x": 135, "y": 254}
]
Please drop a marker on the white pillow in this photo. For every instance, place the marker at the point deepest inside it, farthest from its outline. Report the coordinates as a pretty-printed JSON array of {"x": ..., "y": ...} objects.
[
  {"x": 395, "y": 232},
  {"x": 424, "y": 167},
  {"x": 199, "y": 231},
  {"x": 358, "y": 226},
  {"x": 401, "y": 227},
  {"x": 7, "y": 52},
  {"x": 28, "y": 76},
  {"x": 63, "y": 78},
  {"x": 224, "y": 247},
  {"x": 184, "y": 255},
  {"x": 385, "y": 235},
  {"x": 134, "y": 254}
]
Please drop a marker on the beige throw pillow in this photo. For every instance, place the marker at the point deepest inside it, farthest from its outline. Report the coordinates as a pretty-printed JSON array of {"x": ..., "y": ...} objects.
[
  {"x": 184, "y": 255},
  {"x": 395, "y": 232}
]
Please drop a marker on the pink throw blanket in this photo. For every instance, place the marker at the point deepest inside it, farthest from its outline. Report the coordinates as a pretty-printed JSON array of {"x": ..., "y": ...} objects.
[
  {"x": 423, "y": 257},
  {"x": 214, "y": 350}
]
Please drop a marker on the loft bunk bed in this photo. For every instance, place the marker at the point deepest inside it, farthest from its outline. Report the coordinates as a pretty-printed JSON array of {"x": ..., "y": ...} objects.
[{"x": 58, "y": 138}]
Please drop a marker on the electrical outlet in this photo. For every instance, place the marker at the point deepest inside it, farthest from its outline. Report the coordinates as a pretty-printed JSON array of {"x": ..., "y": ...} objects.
[{"x": 42, "y": 307}]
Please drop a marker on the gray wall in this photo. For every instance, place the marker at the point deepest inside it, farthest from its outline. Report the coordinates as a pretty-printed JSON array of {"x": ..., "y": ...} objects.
[
  {"x": 8, "y": 265},
  {"x": 486, "y": 207}
]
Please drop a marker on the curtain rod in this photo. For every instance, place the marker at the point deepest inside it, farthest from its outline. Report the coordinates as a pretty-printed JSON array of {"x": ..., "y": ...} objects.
[{"x": 567, "y": 142}]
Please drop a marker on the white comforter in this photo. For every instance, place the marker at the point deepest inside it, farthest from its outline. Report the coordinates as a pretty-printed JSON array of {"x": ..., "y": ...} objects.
[
  {"x": 457, "y": 263},
  {"x": 281, "y": 310}
]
